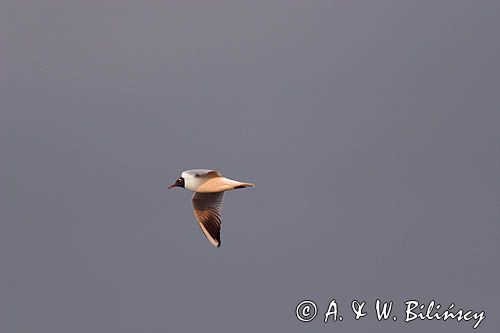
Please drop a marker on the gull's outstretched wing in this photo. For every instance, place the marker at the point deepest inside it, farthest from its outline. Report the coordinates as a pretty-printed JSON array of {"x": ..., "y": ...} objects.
[{"x": 207, "y": 209}]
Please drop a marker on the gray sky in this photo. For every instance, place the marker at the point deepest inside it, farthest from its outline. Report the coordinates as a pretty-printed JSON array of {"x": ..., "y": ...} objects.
[{"x": 371, "y": 129}]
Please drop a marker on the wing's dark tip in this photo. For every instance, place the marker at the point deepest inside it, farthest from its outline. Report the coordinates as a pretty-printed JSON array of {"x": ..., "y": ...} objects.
[{"x": 244, "y": 185}]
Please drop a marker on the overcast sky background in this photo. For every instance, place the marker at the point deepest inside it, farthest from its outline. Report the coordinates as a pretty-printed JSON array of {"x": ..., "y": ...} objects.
[{"x": 370, "y": 128}]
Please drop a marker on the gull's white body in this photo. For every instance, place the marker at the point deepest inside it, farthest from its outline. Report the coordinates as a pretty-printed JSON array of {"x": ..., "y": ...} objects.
[{"x": 209, "y": 181}]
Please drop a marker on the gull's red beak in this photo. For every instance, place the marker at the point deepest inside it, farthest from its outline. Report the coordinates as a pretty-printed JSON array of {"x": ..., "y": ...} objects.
[{"x": 171, "y": 186}]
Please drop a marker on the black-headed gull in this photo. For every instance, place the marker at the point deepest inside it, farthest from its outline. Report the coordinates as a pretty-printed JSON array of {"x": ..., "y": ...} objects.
[{"x": 209, "y": 187}]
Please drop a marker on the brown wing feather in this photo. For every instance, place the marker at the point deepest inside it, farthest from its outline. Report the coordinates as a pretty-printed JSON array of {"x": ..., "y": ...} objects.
[{"x": 207, "y": 209}]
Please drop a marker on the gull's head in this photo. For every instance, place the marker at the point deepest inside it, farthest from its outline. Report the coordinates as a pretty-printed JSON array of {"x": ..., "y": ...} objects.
[{"x": 178, "y": 183}]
